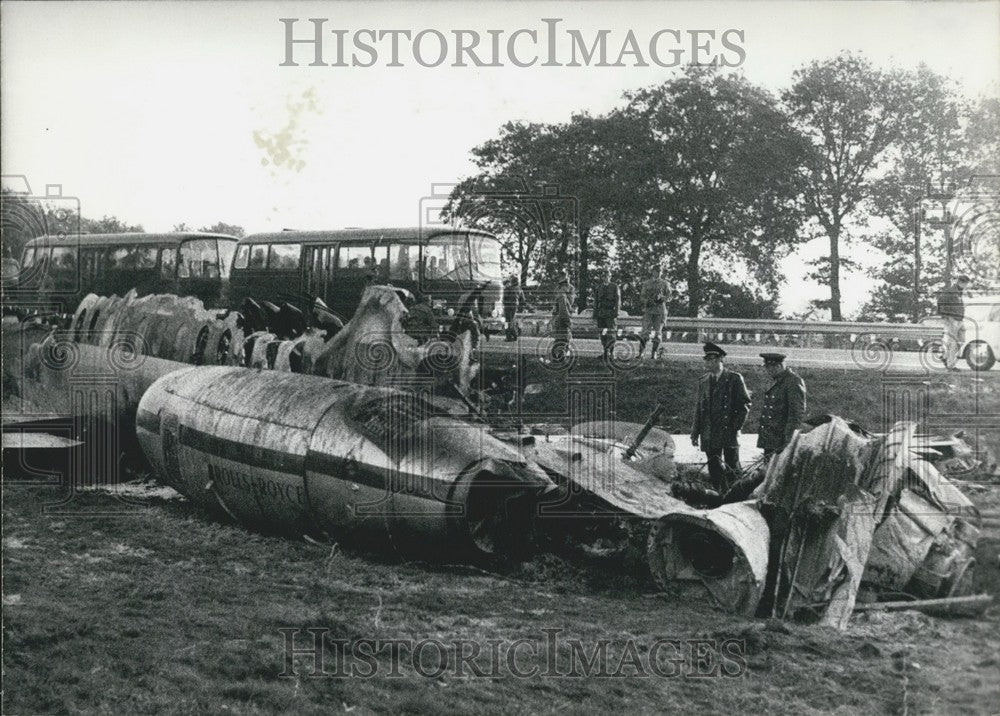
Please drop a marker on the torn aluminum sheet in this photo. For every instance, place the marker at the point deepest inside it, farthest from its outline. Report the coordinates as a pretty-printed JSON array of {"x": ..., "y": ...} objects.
[
  {"x": 654, "y": 455},
  {"x": 715, "y": 555},
  {"x": 590, "y": 457},
  {"x": 373, "y": 349}
]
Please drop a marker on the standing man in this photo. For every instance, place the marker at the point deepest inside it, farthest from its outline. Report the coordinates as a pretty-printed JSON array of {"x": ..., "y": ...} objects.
[
  {"x": 513, "y": 301},
  {"x": 784, "y": 405},
  {"x": 951, "y": 307},
  {"x": 653, "y": 297},
  {"x": 720, "y": 411},
  {"x": 562, "y": 324},
  {"x": 607, "y": 303}
]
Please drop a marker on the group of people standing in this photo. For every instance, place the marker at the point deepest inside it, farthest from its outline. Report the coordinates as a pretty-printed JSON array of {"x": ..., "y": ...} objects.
[
  {"x": 722, "y": 405},
  {"x": 653, "y": 296}
]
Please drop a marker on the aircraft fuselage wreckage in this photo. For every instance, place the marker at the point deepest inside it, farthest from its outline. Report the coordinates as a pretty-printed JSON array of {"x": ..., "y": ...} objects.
[
  {"x": 340, "y": 431},
  {"x": 362, "y": 464}
]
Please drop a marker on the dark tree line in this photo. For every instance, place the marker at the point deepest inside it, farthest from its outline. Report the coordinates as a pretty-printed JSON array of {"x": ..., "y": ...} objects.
[{"x": 718, "y": 179}]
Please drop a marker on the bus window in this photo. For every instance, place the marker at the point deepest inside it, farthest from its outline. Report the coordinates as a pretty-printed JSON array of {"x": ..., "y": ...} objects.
[
  {"x": 258, "y": 256},
  {"x": 284, "y": 256},
  {"x": 88, "y": 263},
  {"x": 130, "y": 258},
  {"x": 28, "y": 257},
  {"x": 199, "y": 258},
  {"x": 42, "y": 257},
  {"x": 400, "y": 266},
  {"x": 63, "y": 258},
  {"x": 242, "y": 257},
  {"x": 317, "y": 259},
  {"x": 485, "y": 252},
  {"x": 168, "y": 262},
  {"x": 357, "y": 258},
  {"x": 381, "y": 262},
  {"x": 226, "y": 250},
  {"x": 440, "y": 257}
]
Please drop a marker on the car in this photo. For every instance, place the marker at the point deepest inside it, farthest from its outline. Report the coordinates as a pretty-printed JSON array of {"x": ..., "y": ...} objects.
[{"x": 981, "y": 346}]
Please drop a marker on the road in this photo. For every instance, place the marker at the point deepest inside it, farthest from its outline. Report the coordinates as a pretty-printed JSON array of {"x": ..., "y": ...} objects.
[{"x": 877, "y": 358}]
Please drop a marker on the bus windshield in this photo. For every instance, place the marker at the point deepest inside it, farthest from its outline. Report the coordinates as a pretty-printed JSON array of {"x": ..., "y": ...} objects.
[
  {"x": 449, "y": 257},
  {"x": 226, "y": 250},
  {"x": 199, "y": 258}
]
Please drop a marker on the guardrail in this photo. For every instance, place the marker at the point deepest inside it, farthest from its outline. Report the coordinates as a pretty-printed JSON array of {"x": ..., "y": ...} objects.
[{"x": 745, "y": 328}]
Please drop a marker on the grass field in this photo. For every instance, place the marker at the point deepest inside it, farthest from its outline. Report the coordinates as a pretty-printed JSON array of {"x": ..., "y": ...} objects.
[{"x": 166, "y": 609}]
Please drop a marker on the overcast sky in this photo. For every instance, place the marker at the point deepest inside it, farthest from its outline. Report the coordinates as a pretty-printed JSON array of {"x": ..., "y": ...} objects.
[{"x": 166, "y": 112}]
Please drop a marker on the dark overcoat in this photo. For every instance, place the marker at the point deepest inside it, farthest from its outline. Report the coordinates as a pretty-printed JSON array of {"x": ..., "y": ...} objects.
[
  {"x": 784, "y": 408},
  {"x": 721, "y": 410},
  {"x": 607, "y": 301}
]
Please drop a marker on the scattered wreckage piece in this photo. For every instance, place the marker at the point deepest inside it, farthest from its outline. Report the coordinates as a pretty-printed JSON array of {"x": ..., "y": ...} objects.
[
  {"x": 608, "y": 501},
  {"x": 824, "y": 495},
  {"x": 372, "y": 348},
  {"x": 849, "y": 510},
  {"x": 161, "y": 326},
  {"x": 719, "y": 556},
  {"x": 950, "y": 454},
  {"x": 924, "y": 547},
  {"x": 52, "y": 375},
  {"x": 590, "y": 460},
  {"x": 363, "y": 464},
  {"x": 969, "y": 605},
  {"x": 653, "y": 454}
]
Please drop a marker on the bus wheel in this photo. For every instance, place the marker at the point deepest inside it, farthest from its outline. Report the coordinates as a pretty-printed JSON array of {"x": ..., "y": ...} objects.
[{"x": 979, "y": 356}]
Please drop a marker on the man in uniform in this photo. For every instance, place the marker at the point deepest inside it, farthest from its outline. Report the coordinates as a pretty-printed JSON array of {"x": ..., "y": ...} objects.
[
  {"x": 784, "y": 405},
  {"x": 607, "y": 303},
  {"x": 951, "y": 307},
  {"x": 720, "y": 411},
  {"x": 653, "y": 297}
]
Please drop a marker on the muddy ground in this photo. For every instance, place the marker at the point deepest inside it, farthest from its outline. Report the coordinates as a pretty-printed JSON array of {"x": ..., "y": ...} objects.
[{"x": 152, "y": 606}]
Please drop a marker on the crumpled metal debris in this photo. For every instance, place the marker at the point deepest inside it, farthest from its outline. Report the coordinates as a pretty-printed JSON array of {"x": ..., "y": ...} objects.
[
  {"x": 374, "y": 349},
  {"x": 370, "y": 349},
  {"x": 951, "y": 454},
  {"x": 925, "y": 545},
  {"x": 845, "y": 507},
  {"x": 823, "y": 497},
  {"x": 161, "y": 326}
]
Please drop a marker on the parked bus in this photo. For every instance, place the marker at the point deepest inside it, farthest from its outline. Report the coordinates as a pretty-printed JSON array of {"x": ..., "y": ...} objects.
[
  {"x": 61, "y": 270},
  {"x": 336, "y": 265}
]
